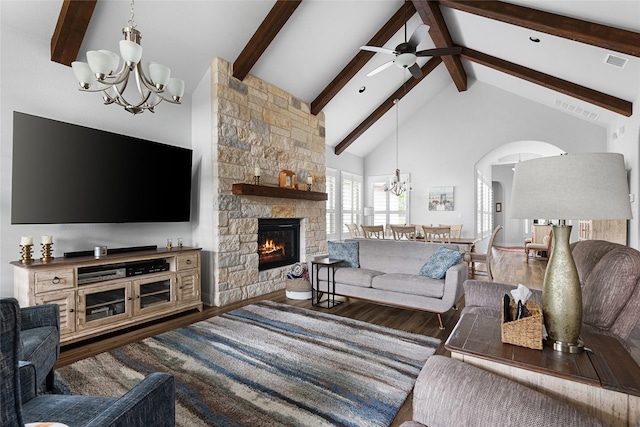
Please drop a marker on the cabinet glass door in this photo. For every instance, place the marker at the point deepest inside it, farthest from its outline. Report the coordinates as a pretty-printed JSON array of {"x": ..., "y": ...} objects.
[
  {"x": 154, "y": 294},
  {"x": 103, "y": 304}
]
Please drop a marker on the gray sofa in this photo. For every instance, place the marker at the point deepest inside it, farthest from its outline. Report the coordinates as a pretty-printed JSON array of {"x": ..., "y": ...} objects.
[
  {"x": 451, "y": 393},
  {"x": 389, "y": 274}
]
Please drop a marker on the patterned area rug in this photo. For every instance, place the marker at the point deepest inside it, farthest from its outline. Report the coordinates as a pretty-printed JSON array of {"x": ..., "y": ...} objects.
[{"x": 269, "y": 364}]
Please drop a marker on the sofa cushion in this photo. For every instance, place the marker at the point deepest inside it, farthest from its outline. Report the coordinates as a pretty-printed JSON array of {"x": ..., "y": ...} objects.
[
  {"x": 439, "y": 263},
  {"x": 347, "y": 251},
  {"x": 409, "y": 284},
  {"x": 356, "y": 276}
]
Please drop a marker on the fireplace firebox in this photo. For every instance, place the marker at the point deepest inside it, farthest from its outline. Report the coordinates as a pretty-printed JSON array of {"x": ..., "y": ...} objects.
[{"x": 278, "y": 242}]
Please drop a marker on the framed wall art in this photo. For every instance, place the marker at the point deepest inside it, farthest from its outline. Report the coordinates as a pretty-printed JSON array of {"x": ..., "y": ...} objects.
[{"x": 441, "y": 198}]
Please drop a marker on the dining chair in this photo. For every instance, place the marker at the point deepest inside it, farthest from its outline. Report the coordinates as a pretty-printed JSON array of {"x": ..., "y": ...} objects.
[
  {"x": 545, "y": 246},
  {"x": 354, "y": 232},
  {"x": 403, "y": 232},
  {"x": 373, "y": 231},
  {"x": 484, "y": 258},
  {"x": 456, "y": 230},
  {"x": 437, "y": 234}
]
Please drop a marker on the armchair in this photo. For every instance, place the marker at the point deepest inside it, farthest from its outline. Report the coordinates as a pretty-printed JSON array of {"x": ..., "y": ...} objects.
[
  {"x": 609, "y": 275},
  {"x": 40, "y": 340},
  {"x": 544, "y": 246},
  {"x": 150, "y": 403},
  {"x": 451, "y": 393}
]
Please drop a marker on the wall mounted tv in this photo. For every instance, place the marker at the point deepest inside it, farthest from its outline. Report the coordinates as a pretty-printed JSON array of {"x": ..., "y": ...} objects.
[{"x": 65, "y": 173}]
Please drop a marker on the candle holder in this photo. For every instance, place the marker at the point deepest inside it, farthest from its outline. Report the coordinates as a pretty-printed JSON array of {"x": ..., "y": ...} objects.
[
  {"x": 308, "y": 187},
  {"x": 169, "y": 244},
  {"x": 25, "y": 254},
  {"x": 256, "y": 180},
  {"x": 179, "y": 243},
  {"x": 47, "y": 251}
]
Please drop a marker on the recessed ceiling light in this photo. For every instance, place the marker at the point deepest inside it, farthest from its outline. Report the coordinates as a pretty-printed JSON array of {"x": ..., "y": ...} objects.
[
  {"x": 362, "y": 89},
  {"x": 534, "y": 39}
]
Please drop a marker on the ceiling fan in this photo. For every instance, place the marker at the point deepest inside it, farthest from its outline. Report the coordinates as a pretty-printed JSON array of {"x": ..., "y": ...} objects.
[{"x": 406, "y": 54}]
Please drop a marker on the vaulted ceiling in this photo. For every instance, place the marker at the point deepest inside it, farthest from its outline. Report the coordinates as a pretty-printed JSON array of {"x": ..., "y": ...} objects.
[{"x": 578, "y": 56}]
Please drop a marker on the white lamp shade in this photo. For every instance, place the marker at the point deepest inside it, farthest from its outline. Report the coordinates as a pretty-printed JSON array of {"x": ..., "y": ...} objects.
[
  {"x": 131, "y": 52},
  {"x": 83, "y": 72},
  {"x": 571, "y": 186},
  {"x": 175, "y": 87},
  {"x": 159, "y": 74},
  {"x": 99, "y": 62},
  {"x": 115, "y": 60}
]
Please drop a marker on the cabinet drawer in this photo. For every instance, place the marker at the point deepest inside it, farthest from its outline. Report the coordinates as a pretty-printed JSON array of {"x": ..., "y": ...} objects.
[
  {"x": 187, "y": 262},
  {"x": 53, "y": 280}
]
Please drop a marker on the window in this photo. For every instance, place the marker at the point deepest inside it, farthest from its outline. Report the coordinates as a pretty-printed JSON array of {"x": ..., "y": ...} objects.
[
  {"x": 332, "y": 198},
  {"x": 484, "y": 203},
  {"x": 388, "y": 208},
  {"x": 351, "y": 187}
]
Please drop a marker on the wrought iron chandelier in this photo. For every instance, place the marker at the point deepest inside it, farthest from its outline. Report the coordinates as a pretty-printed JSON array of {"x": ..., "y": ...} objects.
[
  {"x": 397, "y": 186},
  {"x": 101, "y": 67}
]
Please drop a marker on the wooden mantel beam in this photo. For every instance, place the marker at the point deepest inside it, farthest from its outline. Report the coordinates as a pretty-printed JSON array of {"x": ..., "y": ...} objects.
[
  {"x": 386, "y": 105},
  {"x": 264, "y": 35},
  {"x": 73, "y": 22}
]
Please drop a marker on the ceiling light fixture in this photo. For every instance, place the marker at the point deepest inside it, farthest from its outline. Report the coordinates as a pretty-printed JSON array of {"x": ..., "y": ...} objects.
[
  {"x": 101, "y": 69},
  {"x": 397, "y": 186}
]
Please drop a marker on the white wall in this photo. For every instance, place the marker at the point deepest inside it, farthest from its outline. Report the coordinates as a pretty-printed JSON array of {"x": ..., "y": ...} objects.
[
  {"x": 441, "y": 144},
  {"x": 31, "y": 83}
]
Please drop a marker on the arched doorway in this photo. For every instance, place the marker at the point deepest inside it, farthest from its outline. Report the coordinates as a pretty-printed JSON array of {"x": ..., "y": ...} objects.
[{"x": 496, "y": 167}]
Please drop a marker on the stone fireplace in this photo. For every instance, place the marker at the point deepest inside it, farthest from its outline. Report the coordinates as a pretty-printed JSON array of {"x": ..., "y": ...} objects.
[{"x": 254, "y": 124}]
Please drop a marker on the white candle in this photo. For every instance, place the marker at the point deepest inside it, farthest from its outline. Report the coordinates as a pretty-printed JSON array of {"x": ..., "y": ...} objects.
[
  {"x": 256, "y": 171},
  {"x": 309, "y": 180},
  {"x": 47, "y": 239},
  {"x": 26, "y": 240}
]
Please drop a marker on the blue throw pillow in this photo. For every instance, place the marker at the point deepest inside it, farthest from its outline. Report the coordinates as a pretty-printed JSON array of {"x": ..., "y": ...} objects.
[
  {"x": 440, "y": 262},
  {"x": 347, "y": 251}
]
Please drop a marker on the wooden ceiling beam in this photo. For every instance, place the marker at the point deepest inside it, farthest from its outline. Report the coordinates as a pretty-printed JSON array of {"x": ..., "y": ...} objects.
[
  {"x": 602, "y": 36},
  {"x": 385, "y": 33},
  {"x": 264, "y": 35},
  {"x": 431, "y": 15},
  {"x": 591, "y": 96},
  {"x": 386, "y": 105},
  {"x": 73, "y": 22}
]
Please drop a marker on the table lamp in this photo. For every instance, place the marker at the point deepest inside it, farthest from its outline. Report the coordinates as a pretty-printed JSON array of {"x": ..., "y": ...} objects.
[{"x": 587, "y": 186}]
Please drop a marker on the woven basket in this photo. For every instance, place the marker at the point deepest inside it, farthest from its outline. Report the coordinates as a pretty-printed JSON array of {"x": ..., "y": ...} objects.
[
  {"x": 298, "y": 288},
  {"x": 526, "y": 332}
]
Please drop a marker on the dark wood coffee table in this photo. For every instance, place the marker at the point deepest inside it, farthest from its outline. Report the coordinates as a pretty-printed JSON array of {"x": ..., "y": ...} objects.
[{"x": 604, "y": 382}]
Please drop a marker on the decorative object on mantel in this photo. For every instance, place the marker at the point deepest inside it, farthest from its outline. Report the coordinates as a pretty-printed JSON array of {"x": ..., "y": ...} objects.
[
  {"x": 309, "y": 182},
  {"x": 287, "y": 179},
  {"x": 397, "y": 186},
  {"x": 256, "y": 175},
  {"x": 26, "y": 248},
  {"x": 101, "y": 69},
  {"x": 47, "y": 251},
  {"x": 585, "y": 186}
]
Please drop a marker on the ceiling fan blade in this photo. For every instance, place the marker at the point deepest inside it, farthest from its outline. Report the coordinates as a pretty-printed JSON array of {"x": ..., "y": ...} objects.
[
  {"x": 439, "y": 51},
  {"x": 378, "y": 49},
  {"x": 415, "y": 70},
  {"x": 380, "y": 68},
  {"x": 418, "y": 35}
]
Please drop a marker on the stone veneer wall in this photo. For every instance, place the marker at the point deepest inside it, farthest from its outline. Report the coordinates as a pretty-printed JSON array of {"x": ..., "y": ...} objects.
[{"x": 257, "y": 124}]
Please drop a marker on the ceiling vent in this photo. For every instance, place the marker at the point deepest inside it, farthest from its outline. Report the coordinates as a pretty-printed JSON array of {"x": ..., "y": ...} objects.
[
  {"x": 616, "y": 61},
  {"x": 579, "y": 111}
]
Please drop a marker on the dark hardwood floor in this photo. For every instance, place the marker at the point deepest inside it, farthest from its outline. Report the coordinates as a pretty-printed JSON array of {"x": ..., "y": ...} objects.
[{"x": 509, "y": 266}]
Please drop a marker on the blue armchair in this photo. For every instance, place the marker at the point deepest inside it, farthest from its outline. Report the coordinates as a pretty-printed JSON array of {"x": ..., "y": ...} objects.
[
  {"x": 40, "y": 340},
  {"x": 150, "y": 403}
]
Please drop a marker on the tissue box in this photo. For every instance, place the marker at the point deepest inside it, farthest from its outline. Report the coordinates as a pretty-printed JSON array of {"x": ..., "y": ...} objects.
[{"x": 526, "y": 332}]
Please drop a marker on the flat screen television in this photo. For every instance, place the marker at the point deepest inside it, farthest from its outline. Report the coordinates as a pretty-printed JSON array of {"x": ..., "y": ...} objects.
[{"x": 65, "y": 173}]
